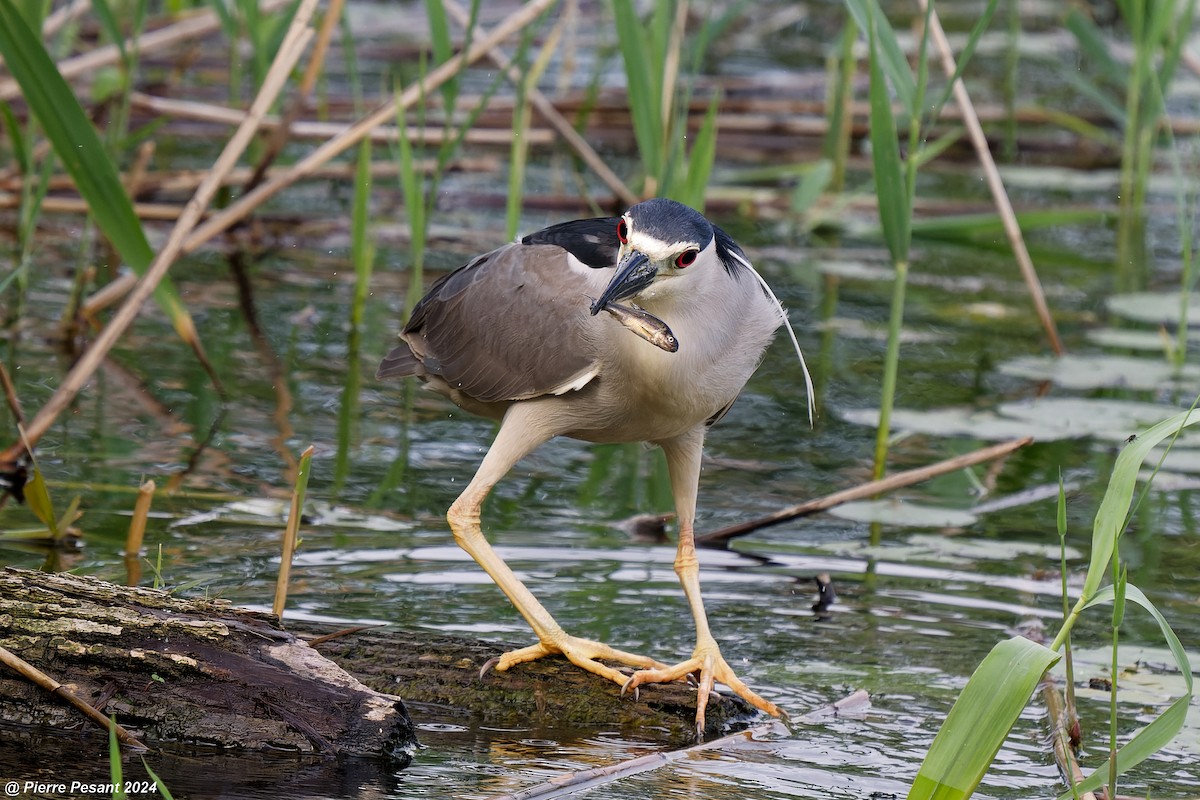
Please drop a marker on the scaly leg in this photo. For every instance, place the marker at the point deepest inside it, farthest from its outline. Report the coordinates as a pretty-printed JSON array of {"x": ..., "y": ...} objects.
[
  {"x": 683, "y": 463},
  {"x": 520, "y": 434}
]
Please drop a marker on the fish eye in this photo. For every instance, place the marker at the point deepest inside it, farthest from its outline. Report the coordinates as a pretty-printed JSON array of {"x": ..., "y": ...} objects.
[
  {"x": 686, "y": 258},
  {"x": 622, "y": 231}
]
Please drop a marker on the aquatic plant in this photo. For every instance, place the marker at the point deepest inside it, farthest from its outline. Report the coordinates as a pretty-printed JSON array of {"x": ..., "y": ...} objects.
[{"x": 1000, "y": 686}]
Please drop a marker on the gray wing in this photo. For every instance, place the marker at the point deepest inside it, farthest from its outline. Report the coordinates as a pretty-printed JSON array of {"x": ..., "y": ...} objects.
[{"x": 509, "y": 325}]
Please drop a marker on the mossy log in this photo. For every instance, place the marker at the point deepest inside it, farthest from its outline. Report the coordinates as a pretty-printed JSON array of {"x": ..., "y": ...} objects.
[
  {"x": 190, "y": 671},
  {"x": 204, "y": 672},
  {"x": 439, "y": 675}
]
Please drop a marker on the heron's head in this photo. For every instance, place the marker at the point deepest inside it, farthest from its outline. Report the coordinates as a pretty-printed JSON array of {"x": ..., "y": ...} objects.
[{"x": 662, "y": 244}]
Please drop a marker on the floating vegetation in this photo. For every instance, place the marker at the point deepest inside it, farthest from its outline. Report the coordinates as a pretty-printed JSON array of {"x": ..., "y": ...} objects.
[
  {"x": 1045, "y": 419},
  {"x": 1084, "y": 372}
]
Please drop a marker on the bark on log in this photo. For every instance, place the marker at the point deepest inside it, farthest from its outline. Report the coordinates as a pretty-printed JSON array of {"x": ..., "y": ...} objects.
[
  {"x": 201, "y": 671},
  {"x": 192, "y": 671},
  {"x": 439, "y": 674}
]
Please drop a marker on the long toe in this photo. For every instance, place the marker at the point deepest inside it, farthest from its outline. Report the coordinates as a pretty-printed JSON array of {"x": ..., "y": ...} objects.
[
  {"x": 583, "y": 653},
  {"x": 709, "y": 667}
]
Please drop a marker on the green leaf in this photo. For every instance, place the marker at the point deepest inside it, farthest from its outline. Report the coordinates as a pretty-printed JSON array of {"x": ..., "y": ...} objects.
[
  {"x": 1162, "y": 730},
  {"x": 83, "y": 155},
  {"x": 980, "y": 720},
  {"x": 964, "y": 57},
  {"x": 1110, "y": 517},
  {"x": 108, "y": 21},
  {"x": 890, "y": 186},
  {"x": 701, "y": 158},
  {"x": 114, "y": 761},
  {"x": 158, "y": 783},
  {"x": 38, "y": 498},
  {"x": 869, "y": 17},
  {"x": 812, "y": 185},
  {"x": 644, "y": 102},
  {"x": 1095, "y": 48}
]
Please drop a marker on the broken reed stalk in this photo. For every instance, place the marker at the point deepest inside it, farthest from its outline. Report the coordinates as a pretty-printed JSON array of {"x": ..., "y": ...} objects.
[
  {"x": 720, "y": 538},
  {"x": 550, "y": 113},
  {"x": 1060, "y": 740},
  {"x": 572, "y": 782},
  {"x": 1008, "y": 217},
  {"x": 36, "y": 676},
  {"x": 292, "y": 46},
  {"x": 137, "y": 532},
  {"x": 292, "y": 532}
]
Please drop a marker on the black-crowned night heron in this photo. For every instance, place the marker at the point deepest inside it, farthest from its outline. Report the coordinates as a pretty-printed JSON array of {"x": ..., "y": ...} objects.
[{"x": 517, "y": 335}]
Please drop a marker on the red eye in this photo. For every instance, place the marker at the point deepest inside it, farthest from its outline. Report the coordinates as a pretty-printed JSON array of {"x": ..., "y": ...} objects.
[
  {"x": 686, "y": 258},
  {"x": 622, "y": 232}
]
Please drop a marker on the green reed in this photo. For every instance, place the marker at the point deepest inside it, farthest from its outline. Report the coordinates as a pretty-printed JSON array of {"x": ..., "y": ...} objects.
[
  {"x": 659, "y": 94},
  {"x": 1131, "y": 94},
  {"x": 892, "y": 80}
]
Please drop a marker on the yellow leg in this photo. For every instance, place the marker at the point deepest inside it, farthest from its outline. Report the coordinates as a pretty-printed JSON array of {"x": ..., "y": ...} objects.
[
  {"x": 683, "y": 462},
  {"x": 519, "y": 435}
]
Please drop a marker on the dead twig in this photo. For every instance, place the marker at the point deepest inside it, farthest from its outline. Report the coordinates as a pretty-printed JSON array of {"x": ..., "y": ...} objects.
[
  {"x": 573, "y": 782},
  {"x": 36, "y": 676},
  {"x": 1008, "y": 217},
  {"x": 720, "y": 538}
]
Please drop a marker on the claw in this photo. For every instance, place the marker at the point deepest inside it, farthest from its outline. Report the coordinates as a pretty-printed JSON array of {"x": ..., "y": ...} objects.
[{"x": 487, "y": 665}]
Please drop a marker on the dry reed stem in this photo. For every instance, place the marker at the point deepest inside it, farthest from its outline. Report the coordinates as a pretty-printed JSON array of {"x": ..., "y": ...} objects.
[
  {"x": 572, "y": 782},
  {"x": 355, "y": 133},
  {"x": 77, "y": 205},
  {"x": 10, "y": 395},
  {"x": 290, "y": 535},
  {"x": 1003, "y": 206},
  {"x": 719, "y": 538},
  {"x": 36, "y": 676},
  {"x": 200, "y": 24},
  {"x": 137, "y": 531},
  {"x": 551, "y": 114},
  {"x": 293, "y": 44},
  {"x": 1056, "y": 719},
  {"x": 137, "y": 525},
  {"x": 314, "y": 129},
  {"x": 62, "y": 16}
]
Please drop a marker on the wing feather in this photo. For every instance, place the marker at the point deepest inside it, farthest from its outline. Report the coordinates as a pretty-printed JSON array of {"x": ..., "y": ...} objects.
[{"x": 509, "y": 325}]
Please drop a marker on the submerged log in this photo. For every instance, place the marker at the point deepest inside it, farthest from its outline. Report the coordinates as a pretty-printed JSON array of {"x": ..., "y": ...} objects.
[
  {"x": 204, "y": 672},
  {"x": 190, "y": 671}
]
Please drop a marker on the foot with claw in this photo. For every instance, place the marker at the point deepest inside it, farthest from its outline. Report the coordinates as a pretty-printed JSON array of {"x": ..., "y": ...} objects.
[
  {"x": 582, "y": 653},
  {"x": 712, "y": 668}
]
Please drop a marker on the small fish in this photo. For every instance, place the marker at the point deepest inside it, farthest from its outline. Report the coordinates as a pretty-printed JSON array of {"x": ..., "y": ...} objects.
[{"x": 645, "y": 325}]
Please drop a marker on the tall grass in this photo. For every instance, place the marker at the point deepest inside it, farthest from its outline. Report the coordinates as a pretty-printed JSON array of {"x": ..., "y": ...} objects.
[
  {"x": 659, "y": 94},
  {"x": 892, "y": 80},
  {"x": 1157, "y": 33}
]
